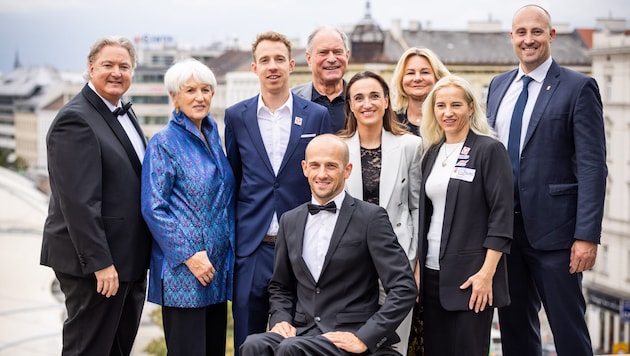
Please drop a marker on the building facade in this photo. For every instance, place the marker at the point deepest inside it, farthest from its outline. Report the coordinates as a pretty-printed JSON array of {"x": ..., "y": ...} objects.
[{"x": 607, "y": 287}]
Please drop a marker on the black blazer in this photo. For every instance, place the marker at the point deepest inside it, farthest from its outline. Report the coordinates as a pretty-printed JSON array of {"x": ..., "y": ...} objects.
[
  {"x": 478, "y": 215},
  {"x": 363, "y": 249},
  {"x": 94, "y": 217}
]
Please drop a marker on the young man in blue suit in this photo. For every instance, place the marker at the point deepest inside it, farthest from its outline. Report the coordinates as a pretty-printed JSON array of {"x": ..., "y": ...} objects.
[
  {"x": 265, "y": 139},
  {"x": 559, "y": 164}
]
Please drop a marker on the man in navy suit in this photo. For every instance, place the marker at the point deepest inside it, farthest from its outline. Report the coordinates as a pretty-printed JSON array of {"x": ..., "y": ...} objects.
[
  {"x": 559, "y": 195},
  {"x": 265, "y": 139}
]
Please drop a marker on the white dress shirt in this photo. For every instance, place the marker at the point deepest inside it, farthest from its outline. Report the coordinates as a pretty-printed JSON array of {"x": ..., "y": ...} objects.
[
  {"x": 504, "y": 115},
  {"x": 435, "y": 188},
  {"x": 317, "y": 234},
  {"x": 275, "y": 130},
  {"x": 125, "y": 122}
]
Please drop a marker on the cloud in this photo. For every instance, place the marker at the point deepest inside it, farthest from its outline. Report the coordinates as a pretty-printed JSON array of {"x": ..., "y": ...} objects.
[{"x": 28, "y": 6}]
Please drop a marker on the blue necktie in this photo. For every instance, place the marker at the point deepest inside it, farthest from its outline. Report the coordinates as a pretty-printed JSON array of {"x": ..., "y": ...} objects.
[{"x": 514, "y": 141}]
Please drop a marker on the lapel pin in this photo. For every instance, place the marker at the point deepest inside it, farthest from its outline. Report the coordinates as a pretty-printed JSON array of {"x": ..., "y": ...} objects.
[
  {"x": 548, "y": 87},
  {"x": 298, "y": 121}
]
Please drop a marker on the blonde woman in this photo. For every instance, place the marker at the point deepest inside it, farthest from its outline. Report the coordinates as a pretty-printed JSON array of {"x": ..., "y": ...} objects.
[
  {"x": 466, "y": 216},
  {"x": 418, "y": 69}
]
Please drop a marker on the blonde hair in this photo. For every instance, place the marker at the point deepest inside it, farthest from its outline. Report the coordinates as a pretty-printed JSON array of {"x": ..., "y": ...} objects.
[
  {"x": 399, "y": 97},
  {"x": 431, "y": 131}
]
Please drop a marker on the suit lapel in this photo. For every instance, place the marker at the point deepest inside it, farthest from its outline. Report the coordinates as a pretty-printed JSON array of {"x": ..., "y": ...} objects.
[
  {"x": 391, "y": 159},
  {"x": 549, "y": 86},
  {"x": 501, "y": 90},
  {"x": 298, "y": 121},
  {"x": 115, "y": 126},
  {"x": 345, "y": 213},
  {"x": 250, "y": 122},
  {"x": 300, "y": 227},
  {"x": 354, "y": 183},
  {"x": 451, "y": 197},
  {"x": 134, "y": 121}
]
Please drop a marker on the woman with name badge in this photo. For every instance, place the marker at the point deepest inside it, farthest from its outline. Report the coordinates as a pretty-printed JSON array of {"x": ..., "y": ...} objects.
[{"x": 466, "y": 216}]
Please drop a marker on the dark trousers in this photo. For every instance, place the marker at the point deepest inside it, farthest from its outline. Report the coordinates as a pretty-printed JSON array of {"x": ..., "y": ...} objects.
[
  {"x": 250, "y": 307},
  {"x": 452, "y": 333},
  {"x": 537, "y": 276},
  {"x": 195, "y": 331},
  {"x": 269, "y": 344},
  {"x": 97, "y": 325}
]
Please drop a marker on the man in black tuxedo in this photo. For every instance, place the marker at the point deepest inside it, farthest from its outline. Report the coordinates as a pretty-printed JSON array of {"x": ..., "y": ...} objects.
[
  {"x": 95, "y": 238},
  {"x": 328, "y": 260}
]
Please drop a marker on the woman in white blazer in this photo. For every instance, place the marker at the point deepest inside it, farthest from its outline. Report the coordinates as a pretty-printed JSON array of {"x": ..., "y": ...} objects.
[{"x": 386, "y": 165}]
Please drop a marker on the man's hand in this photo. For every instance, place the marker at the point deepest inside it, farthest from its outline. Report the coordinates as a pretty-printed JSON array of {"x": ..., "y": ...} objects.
[
  {"x": 107, "y": 281},
  {"x": 199, "y": 264},
  {"x": 346, "y": 341},
  {"x": 583, "y": 255},
  {"x": 285, "y": 329}
]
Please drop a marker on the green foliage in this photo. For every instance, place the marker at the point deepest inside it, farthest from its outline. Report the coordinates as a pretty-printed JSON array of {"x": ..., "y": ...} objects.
[
  {"x": 157, "y": 346},
  {"x": 8, "y": 159}
]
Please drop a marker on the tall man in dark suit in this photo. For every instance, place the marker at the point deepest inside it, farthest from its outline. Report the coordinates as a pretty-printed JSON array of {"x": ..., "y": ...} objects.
[
  {"x": 95, "y": 238},
  {"x": 327, "y": 54},
  {"x": 328, "y": 260},
  {"x": 265, "y": 139},
  {"x": 559, "y": 164}
]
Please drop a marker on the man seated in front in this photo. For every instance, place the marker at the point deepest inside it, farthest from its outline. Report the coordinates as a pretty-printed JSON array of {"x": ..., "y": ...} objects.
[{"x": 329, "y": 257}]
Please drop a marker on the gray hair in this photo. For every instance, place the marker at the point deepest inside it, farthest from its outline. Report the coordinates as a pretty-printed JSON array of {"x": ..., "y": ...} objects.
[
  {"x": 110, "y": 41},
  {"x": 179, "y": 73},
  {"x": 344, "y": 38}
]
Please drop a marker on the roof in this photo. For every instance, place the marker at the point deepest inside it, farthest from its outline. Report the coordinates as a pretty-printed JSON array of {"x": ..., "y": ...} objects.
[
  {"x": 23, "y": 82},
  {"x": 491, "y": 48}
]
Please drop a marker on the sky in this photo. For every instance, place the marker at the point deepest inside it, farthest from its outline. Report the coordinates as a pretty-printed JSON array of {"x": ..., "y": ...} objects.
[{"x": 60, "y": 33}]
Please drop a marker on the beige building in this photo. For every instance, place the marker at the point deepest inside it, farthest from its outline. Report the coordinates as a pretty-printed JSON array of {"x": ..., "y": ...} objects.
[{"x": 608, "y": 286}]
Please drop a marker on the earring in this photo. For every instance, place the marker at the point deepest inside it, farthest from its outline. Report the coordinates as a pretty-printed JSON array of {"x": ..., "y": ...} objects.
[{"x": 176, "y": 108}]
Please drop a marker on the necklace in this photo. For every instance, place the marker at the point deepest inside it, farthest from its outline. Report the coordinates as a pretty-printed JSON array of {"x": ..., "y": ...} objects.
[{"x": 448, "y": 154}]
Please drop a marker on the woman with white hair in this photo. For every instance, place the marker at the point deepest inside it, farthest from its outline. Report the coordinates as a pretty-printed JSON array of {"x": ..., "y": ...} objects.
[{"x": 188, "y": 203}]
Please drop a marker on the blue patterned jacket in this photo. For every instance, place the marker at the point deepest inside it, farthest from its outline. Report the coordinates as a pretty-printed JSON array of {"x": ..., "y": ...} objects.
[{"x": 188, "y": 203}]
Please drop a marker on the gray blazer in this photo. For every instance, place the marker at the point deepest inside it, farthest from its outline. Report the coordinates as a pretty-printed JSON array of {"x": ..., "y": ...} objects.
[{"x": 399, "y": 188}]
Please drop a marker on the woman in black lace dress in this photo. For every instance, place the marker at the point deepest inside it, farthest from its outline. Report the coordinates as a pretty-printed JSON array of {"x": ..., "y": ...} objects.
[{"x": 385, "y": 159}]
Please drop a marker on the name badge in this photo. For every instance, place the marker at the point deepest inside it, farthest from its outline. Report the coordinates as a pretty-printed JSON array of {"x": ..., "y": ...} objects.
[{"x": 462, "y": 173}]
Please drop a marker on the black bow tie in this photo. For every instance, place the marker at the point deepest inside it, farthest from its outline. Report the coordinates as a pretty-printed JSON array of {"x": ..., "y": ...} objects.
[
  {"x": 314, "y": 208},
  {"x": 123, "y": 110}
]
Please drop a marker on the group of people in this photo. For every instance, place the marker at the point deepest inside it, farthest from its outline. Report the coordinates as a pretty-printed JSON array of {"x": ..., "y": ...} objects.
[{"x": 343, "y": 217}]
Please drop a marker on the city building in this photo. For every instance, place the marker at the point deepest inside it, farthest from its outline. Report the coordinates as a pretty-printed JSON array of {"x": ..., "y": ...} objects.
[
  {"x": 31, "y": 97},
  {"x": 607, "y": 287}
]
